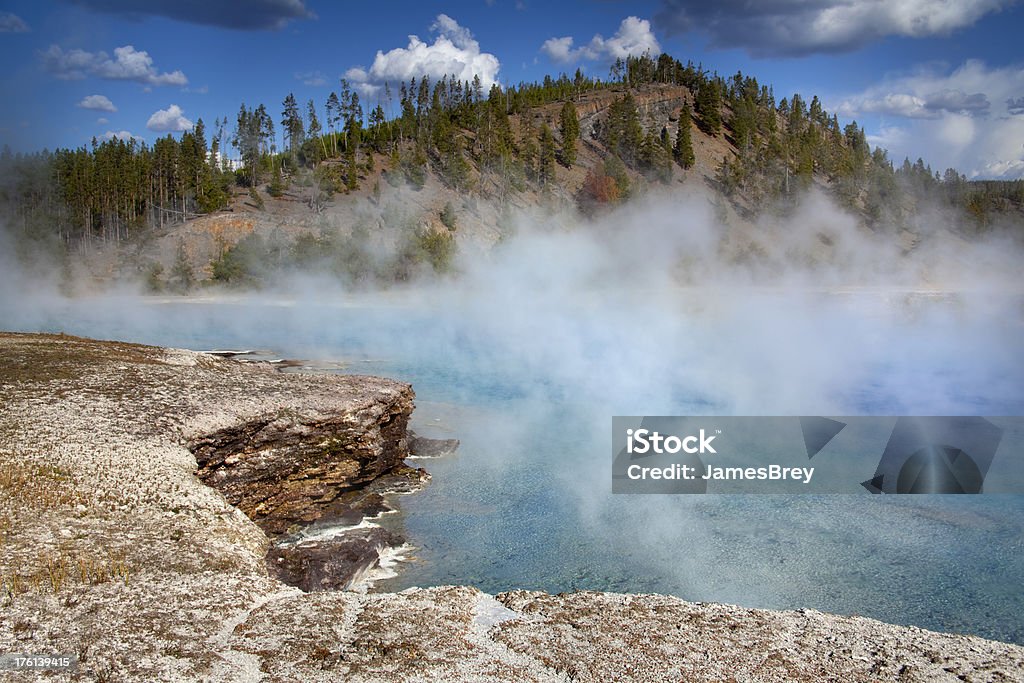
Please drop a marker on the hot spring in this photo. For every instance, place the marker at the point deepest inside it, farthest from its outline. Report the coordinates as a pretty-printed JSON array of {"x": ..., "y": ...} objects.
[{"x": 528, "y": 379}]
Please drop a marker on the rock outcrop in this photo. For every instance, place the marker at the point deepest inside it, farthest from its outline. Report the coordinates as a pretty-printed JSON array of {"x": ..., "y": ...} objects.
[
  {"x": 423, "y": 447},
  {"x": 284, "y": 470},
  {"x": 333, "y": 563},
  {"x": 321, "y": 556},
  {"x": 288, "y": 471}
]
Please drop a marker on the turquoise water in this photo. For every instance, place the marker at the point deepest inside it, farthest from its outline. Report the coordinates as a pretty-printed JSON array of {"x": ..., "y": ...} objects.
[{"x": 529, "y": 387}]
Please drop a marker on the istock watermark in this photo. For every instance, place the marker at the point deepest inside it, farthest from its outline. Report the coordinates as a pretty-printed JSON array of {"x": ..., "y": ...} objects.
[
  {"x": 811, "y": 454},
  {"x": 645, "y": 441}
]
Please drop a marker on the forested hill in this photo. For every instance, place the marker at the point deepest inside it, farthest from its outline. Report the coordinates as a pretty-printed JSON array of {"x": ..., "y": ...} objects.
[{"x": 566, "y": 141}]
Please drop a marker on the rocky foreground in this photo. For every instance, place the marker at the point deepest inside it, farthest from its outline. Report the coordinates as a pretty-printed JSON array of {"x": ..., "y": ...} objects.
[{"x": 145, "y": 491}]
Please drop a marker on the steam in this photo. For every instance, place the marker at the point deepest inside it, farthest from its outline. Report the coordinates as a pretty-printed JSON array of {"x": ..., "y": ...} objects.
[
  {"x": 652, "y": 309},
  {"x": 655, "y": 309}
]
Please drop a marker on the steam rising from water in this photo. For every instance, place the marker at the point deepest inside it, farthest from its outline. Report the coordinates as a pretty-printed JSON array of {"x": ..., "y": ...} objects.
[{"x": 529, "y": 353}]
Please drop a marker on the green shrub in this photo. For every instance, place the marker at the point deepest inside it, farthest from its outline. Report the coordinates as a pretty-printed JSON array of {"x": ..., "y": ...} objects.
[
  {"x": 154, "y": 277},
  {"x": 244, "y": 263},
  {"x": 257, "y": 199},
  {"x": 448, "y": 217}
]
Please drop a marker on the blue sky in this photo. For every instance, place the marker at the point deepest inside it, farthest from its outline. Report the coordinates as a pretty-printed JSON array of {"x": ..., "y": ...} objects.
[{"x": 939, "y": 79}]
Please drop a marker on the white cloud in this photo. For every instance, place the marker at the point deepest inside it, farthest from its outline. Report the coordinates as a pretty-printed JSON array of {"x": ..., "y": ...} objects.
[
  {"x": 170, "y": 120},
  {"x": 956, "y": 131},
  {"x": 358, "y": 74},
  {"x": 559, "y": 49},
  {"x": 12, "y": 23},
  {"x": 1004, "y": 170},
  {"x": 119, "y": 135},
  {"x": 311, "y": 78},
  {"x": 459, "y": 35},
  {"x": 800, "y": 28},
  {"x": 633, "y": 38},
  {"x": 128, "y": 64},
  {"x": 97, "y": 103},
  {"x": 897, "y": 104},
  {"x": 887, "y": 137},
  {"x": 968, "y": 118},
  {"x": 933, "y": 92},
  {"x": 454, "y": 51},
  {"x": 102, "y": 121},
  {"x": 928, "y": 106}
]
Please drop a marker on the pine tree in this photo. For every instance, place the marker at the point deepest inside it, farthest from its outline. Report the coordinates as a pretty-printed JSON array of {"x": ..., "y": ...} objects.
[
  {"x": 316, "y": 130},
  {"x": 683, "y": 150},
  {"x": 528, "y": 148},
  {"x": 547, "y": 156},
  {"x": 622, "y": 132},
  {"x": 354, "y": 120},
  {"x": 333, "y": 118},
  {"x": 377, "y": 121},
  {"x": 656, "y": 158},
  {"x": 709, "y": 107},
  {"x": 570, "y": 129},
  {"x": 247, "y": 141},
  {"x": 276, "y": 186},
  {"x": 182, "y": 275},
  {"x": 291, "y": 123},
  {"x": 265, "y": 129}
]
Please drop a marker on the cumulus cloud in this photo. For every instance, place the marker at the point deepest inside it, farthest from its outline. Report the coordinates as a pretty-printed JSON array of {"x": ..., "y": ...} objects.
[
  {"x": 968, "y": 118},
  {"x": 453, "y": 52},
  {"x": 12, "y": 23},
  {"x": 633, "y": 39},
  {"x": 97, "y": 103},
  {"x": 170, "y": 120},
  {"x": 932, "y": 92},
  {"x": 800, "y": 28},
  {"x": 119, "y": 135},
  {"x": 928, "y": 106},
  {"x": 957, "y": 101},
  {"x": 102, "y": 121},
  {"x": 254, "y": 15},
  {"x": 1012, "y": 169},
  {"x": 128, "y": 64}
]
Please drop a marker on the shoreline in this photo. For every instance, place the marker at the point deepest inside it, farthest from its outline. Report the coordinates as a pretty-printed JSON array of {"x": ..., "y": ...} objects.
[{"x": 128, "y": 561}]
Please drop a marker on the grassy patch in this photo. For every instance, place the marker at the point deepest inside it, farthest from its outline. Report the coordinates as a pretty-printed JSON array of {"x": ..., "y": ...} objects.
[
  {"x": 34, "y": 358},
  {"x": 38, "y": 486},
  {"x": 56, "y": 572}
]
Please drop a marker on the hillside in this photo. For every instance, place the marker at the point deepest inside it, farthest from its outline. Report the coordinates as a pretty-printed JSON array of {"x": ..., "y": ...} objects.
[{"x": 376, "y": 198}]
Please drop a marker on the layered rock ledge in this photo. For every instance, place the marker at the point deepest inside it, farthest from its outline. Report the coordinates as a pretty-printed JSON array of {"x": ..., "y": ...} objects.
[
  {"x": 285, "y": 470},
  {"x": 114, "y": 550}
]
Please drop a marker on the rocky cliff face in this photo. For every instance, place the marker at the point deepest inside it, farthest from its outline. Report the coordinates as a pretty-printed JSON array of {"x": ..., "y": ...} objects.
[
  {"x": 287, "y": 471},
  {"x": 284, "y": 470}
]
